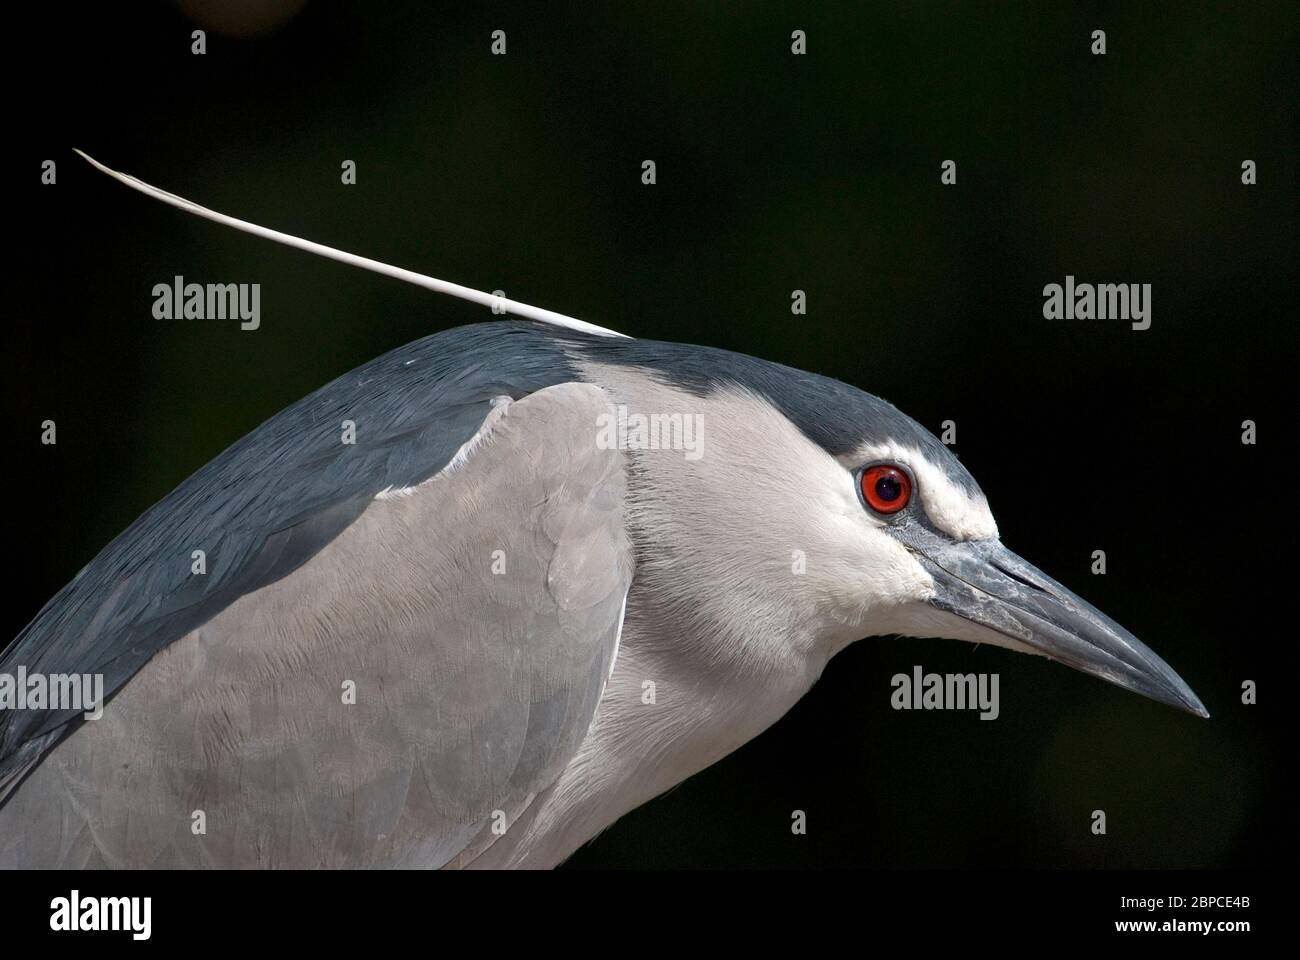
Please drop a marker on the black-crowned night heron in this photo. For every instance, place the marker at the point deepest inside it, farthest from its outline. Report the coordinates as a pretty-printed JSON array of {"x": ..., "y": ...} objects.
[{"x": 550, "y": 578}]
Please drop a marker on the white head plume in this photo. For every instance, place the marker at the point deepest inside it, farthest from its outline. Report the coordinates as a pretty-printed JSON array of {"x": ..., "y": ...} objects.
[{"x": 419, "y": 279}]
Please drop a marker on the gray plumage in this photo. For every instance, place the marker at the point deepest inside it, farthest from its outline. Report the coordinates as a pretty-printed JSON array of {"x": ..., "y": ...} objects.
[
  {"x": 262, "y": 508},
  {"x": 475, "y": 680}
]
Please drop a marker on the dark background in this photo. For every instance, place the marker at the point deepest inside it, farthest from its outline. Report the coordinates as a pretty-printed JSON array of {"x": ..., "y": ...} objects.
[{"x": 775, "y": 172}]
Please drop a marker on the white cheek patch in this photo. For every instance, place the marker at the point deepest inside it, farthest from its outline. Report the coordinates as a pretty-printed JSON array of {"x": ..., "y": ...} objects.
[{"x": 950, "y": 508}]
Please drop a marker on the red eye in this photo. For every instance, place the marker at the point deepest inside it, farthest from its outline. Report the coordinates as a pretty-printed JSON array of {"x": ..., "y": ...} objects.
[{"x": 886, "y": 489}]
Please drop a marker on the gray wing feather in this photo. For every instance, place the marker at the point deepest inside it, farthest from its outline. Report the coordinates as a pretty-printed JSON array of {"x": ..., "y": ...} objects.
[
  {"x": 263, "y": 507},
  {"x": 476, "y": 617}
]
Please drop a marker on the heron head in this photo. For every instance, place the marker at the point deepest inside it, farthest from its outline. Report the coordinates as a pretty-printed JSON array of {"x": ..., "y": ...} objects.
[
  {"x": 813, "y": 513},
  {"x": 921, "y": 504}
]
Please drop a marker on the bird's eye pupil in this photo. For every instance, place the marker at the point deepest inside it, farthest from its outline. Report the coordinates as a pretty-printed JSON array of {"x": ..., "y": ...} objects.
[{"x": 888, "y": 489}]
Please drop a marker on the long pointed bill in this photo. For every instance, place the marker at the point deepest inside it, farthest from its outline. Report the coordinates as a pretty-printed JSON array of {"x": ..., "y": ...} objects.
[{"x": 985, "y": 583}]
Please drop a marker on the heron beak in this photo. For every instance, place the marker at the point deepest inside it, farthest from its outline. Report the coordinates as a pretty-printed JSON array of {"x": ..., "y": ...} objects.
[{"x": 985, "y": 583}]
